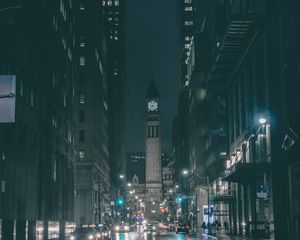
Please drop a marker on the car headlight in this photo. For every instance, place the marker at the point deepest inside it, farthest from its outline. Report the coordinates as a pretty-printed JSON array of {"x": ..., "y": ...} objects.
[
  {"x": 91, "y": 237},
  {"x": 106, "y": 234},
  {"x": 153, "y": 228},
  {"x": 126, "y": 228},
  {"x": 98, "y": 235},
  {"x": 72, "y": 238},
  {"x": 117, "y": 228}
]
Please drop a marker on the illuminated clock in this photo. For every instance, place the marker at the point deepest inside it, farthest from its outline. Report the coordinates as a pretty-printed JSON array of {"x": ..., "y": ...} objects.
[{"x": 152, "y": 105}]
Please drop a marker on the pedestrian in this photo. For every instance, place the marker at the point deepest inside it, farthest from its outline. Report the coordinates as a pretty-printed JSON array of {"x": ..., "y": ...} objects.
[
  {"x": 203, "y": 226},
  {"x": 226, "y": 226}
]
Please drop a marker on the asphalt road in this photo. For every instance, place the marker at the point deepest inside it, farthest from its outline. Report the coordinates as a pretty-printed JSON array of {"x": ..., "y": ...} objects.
[{"x": 162, "y": 236}]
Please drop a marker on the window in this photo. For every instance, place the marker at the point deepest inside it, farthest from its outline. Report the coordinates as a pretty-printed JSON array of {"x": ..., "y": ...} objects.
[
  {"x": 81, "y": 77},
  {"x": 54, "y": 170},
  {"x": 81, "y": 154},
  {"x": 81, "y": 135},
  {"x": 188, "y": 9},
  {"x": 188, "y": 23},
  {"x": 117, "y": 3},
  {"x": 82, "y": 61},
  {"x": 81, "y": 98},
  {"x": 81, "y": 116},
  {"x": 82, "y": 42},
  {"x": 3, "y": 186},
  {"x": 31, "y": 98}
]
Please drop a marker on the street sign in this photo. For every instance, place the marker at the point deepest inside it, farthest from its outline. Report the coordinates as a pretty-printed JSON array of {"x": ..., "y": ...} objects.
[{"x": 7, "y": 98}]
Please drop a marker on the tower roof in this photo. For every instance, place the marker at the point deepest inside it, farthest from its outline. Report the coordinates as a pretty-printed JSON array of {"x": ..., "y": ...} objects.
[{"x": 152, "y": 90}]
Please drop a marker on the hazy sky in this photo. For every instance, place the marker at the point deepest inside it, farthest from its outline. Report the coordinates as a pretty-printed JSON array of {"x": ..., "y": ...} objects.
[{"x": 151, "y": 49}]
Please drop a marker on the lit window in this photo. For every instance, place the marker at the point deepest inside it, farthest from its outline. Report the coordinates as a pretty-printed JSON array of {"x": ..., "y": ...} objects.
[
  {"x": 188, "y": 23},
  {"x": 103, "y": 3},
  {"x": 188, "y": 9},
  {"x": 82, "y": 7},
  {"x": 109, "y": 3},
  {"x": 81, "y": 98},
  {"x": 3, "y": 186},
  {"x": 31, "y": 98},
  {"x": 65, "y": 100},
  {"x": 82, "y": 41},
  {"x": 117, "y": 3},
  {"x": 188, "y": 1},
  {"x": 81, "y": 154},
  {"x": 82, "y": 61}
]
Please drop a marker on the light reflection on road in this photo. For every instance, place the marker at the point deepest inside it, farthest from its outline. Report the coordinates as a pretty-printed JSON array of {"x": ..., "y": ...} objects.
[{"x": 145, "y": 236}]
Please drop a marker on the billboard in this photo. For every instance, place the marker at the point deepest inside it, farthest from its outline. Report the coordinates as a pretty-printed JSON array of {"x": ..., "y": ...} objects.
[{"x": 7, "y": 98}]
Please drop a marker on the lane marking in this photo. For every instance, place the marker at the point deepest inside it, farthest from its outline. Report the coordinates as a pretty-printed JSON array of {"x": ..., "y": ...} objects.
[{"x": 206, "y": 235}]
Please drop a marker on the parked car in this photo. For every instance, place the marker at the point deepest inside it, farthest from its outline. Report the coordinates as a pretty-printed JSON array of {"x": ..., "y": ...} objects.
[{"x": 182, "y": 228}]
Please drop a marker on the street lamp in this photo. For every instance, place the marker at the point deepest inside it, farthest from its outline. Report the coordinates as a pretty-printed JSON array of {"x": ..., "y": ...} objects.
[
  {"x": 185, "y": 172},
  {"x": 121, "y": 176},
  {"x": 262, "y": 120}
]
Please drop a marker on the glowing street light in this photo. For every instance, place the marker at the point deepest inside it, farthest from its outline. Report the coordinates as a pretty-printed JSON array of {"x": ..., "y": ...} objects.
[
  {"x": 129, "y": 184},
  {"x": 185, "y": 172},
  {"x": 262, "y": 120},
  {"x": 121, "y": 176}
]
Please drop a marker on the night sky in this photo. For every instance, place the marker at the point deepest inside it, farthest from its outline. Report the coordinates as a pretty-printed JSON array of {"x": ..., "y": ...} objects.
[{"x": 151, "y": 49}]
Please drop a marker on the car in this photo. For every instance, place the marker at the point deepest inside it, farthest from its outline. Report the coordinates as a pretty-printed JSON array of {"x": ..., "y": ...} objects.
[
  {"x": 171, "y": 226},
  {"x": 122, "y": 227},
  {"x": 85, "y": 233},
  {"x": 151, "y": 228},
  {"x": 103, "y": 232},
  {"x": 182, "y": 228}
]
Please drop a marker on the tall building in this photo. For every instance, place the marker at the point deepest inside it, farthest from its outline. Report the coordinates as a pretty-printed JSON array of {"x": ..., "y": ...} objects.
[
  {"x": 115, "y": 38},
  {"x": 92, "y": 203},
  {"x": 153, "y": 152},
  {"x": 37, "y": 149}
]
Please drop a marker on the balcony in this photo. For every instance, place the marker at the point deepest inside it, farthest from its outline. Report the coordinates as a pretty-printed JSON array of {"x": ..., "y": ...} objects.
[
  {"x": 238, "y": 36},
  {"x": 243, "y": 172},
  {"x": 223, "y": 195}
]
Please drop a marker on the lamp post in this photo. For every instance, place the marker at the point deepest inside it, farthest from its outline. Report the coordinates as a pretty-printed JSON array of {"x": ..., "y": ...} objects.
[{"x": 185, "y": 172}]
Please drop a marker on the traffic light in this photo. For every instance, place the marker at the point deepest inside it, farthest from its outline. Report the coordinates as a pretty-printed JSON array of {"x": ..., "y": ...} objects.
[{"x": 120, "y": 201}]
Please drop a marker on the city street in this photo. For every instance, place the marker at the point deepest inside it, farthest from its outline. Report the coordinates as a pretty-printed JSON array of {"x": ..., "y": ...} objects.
[{"x": 168, "y": 236}]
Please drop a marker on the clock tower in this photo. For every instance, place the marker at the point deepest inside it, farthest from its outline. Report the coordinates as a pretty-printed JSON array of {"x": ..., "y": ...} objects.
[{"x": 153, "y": 153}]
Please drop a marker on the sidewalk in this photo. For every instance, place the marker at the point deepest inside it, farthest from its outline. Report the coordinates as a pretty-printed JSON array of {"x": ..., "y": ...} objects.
[{"x": 223, "y": 236}]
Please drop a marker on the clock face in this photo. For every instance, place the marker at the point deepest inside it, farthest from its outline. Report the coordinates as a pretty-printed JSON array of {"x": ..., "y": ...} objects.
[{"x": 152, "y": 105}]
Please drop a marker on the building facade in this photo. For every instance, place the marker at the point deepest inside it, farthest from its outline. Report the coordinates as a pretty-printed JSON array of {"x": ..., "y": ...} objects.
[
  {"x": 92, "y": 118},
  {"x": 240, "y": 127},
  {"x": 115, "y": 39},
  {"x": 37, "y": 148}
]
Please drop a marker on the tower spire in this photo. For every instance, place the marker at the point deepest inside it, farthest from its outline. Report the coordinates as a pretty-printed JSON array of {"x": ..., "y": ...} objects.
[{"x": 152, "y": 91}]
